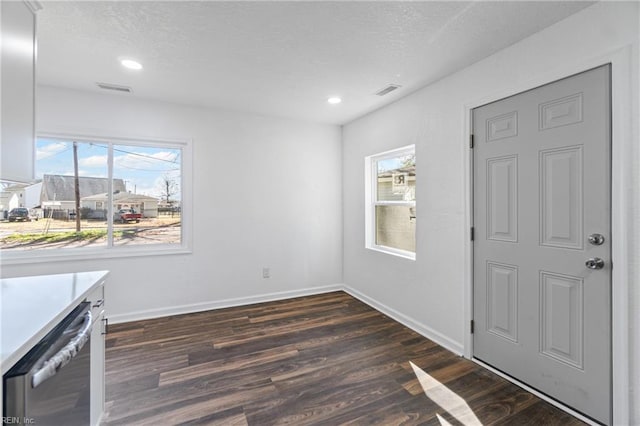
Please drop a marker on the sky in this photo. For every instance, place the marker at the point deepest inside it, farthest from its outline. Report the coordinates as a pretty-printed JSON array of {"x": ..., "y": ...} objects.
[{"x": 143, "y": 169}]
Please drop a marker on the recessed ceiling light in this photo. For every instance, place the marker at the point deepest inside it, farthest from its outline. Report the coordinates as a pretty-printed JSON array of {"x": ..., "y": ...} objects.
[
  {"x": 131, "y": 64},
  {"x": 334, "y": 100}
]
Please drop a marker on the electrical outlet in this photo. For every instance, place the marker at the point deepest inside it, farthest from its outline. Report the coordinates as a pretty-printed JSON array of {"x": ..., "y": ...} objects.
[{"x": 266, "y": 273}]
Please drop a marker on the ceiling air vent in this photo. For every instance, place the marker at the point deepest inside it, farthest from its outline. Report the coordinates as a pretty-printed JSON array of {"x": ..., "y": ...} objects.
[
  {"x": 388, "y": 89},
  {"x": 115, "y": 87}
]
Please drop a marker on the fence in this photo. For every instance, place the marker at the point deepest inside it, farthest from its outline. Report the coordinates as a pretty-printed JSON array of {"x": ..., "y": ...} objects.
[
  {"x": 98, "y": 214},
  {"x": 169, "y": 211},
  {"x": 70, "y": 214}
]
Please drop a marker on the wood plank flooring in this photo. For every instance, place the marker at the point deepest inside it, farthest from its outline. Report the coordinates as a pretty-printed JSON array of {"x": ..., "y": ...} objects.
[{"x": 319, "y": 360}]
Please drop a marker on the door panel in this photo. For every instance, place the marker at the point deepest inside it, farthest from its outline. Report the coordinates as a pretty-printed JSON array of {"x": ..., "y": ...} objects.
[
  {"x": 502, "y": 300},
  {"x": 502, "y": 196},
  {"x": 560, "y": 186},
  {"x": 541, "y": 187},
  {"x": 561, "y": 320}
]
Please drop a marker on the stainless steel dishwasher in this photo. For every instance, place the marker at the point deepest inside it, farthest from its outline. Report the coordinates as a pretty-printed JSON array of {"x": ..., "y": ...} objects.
[{"x": 50, "y": 385}]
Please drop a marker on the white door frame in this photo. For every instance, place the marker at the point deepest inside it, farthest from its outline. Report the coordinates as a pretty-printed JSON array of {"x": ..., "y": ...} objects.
[{"x": 621, "y": 158}]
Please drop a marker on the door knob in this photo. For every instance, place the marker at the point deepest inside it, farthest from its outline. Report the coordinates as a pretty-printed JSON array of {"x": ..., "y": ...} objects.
[
  {"x": 594, "y": 263},
  {"x": 596, "y": 239}
]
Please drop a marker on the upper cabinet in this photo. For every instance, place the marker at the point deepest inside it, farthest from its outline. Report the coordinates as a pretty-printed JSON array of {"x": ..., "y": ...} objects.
[{"x": 18, "y": 90}]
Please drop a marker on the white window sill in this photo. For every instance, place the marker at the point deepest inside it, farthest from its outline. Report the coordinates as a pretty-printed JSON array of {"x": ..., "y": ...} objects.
[
  {"x": 394, "y": 252},
  {"x": 70, "y": 255}
]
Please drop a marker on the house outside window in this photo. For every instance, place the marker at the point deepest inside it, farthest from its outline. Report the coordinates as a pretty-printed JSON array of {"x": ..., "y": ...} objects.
[
  {"x": 122, "y": 195},
  {"x": 390, "y": 217}
]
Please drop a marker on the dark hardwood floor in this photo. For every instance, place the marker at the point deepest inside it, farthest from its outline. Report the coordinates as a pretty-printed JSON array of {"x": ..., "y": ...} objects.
[{"x": 327, "y": 359}]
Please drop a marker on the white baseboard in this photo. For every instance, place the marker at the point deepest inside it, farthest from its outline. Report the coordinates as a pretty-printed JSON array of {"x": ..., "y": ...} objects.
[
  {"x": 428, "y": 332},
  {"x": 220, "y": 304},
  {"x": 416, "y": 326}
]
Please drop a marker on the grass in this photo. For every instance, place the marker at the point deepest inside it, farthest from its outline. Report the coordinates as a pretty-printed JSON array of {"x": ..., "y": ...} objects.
[{"x": 56, "y": 237}]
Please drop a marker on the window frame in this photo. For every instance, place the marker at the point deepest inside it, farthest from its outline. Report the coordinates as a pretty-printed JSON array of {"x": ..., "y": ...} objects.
[
  {"x": 111, "y": 250},
  {"x": 371, "y": 200}
]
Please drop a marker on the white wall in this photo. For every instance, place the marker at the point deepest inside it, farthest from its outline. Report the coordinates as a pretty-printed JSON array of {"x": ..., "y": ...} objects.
[
  {"x": 32, "y": 195},
  {"x": 267, "y": 192},
  {"x": 429, "y": 293}
]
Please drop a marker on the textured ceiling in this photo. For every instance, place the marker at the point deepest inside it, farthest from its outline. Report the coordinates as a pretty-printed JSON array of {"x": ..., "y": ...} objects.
[{"x": 278, "y": 58}]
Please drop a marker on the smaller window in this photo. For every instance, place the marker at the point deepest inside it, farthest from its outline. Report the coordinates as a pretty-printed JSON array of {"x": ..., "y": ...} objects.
[{"x": 391, "y": 198}]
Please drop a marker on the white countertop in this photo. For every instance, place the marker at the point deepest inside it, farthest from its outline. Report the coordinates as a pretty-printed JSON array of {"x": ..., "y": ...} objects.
[{"x": 32, "y": 306}]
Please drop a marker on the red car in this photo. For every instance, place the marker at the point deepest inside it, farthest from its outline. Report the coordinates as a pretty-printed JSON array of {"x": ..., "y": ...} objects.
[{"x": 128, "y": 215}]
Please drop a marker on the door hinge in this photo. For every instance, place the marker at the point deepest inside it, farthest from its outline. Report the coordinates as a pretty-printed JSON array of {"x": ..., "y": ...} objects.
[
  {"x": 473, "y": 233},
  {"x": 471, "y": 141},
  {"x": 472, "y": 327}
]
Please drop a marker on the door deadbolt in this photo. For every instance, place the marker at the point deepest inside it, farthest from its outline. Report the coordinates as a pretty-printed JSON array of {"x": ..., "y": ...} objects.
[
  {"x": 596, "y": 239},
  {"x": 594, "y": 263}
]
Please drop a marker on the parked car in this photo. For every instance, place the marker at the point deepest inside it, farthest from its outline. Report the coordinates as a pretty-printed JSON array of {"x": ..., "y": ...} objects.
[
  {"x": 127, "y": 215},
  {"x": 19, "y": 214}
]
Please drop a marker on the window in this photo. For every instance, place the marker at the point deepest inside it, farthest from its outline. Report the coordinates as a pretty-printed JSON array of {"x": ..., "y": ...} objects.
[
  {"x": 391, "y": 197},
  {"x": 98, "y": 195}
]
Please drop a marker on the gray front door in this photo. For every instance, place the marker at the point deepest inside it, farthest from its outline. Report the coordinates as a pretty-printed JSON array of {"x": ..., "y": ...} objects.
[{"x": 542, "y": 246}]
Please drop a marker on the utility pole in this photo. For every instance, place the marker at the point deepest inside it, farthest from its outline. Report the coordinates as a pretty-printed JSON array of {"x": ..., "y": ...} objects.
[{"x": 77, "y": 184}]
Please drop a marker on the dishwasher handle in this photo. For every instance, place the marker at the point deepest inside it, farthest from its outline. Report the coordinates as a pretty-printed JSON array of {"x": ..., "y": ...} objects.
[{"x": 64, "y": 355}]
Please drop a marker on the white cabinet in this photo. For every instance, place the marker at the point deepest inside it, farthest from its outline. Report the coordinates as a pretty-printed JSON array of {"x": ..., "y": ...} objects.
[
  {"x": 18, "y": 90},
  {"x": 97, "y": 354}
]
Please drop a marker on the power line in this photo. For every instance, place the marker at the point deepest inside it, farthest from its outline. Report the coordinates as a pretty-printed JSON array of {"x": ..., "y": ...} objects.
[
  {"x": 174, "y": 161},
  {"x": 145, "y": 170},
  {"x": 147, "y": 156},
  {"x": 55, "y": 153}
]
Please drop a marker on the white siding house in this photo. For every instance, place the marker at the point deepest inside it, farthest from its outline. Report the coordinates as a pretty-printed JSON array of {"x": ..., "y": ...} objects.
[{"x": 144, "y": 204}]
